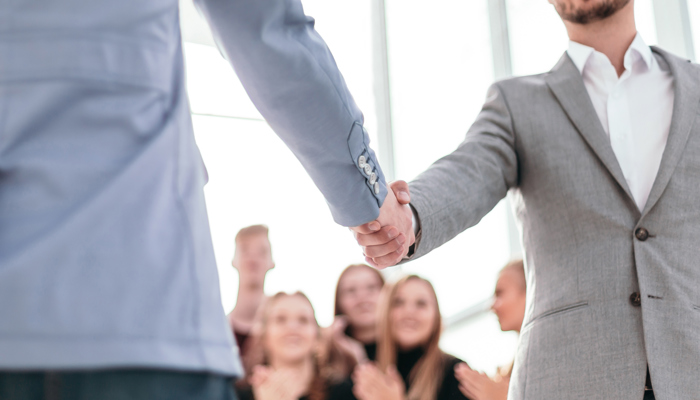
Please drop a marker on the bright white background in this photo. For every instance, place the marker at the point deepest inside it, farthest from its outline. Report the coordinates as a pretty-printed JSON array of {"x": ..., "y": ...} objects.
[{"x": 440, "y": 65}]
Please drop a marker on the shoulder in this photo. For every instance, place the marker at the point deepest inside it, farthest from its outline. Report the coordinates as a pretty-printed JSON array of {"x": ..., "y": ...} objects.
[
  {"x": 520, "y": 82},
  {"x": 449, "y": 390},
  {"x": 450, "y": 362},
  {"x": 245, "y": 393},
  {"x": 520, "y": 91},
  {"x": 341, "y": 391},
  {"x": 681, "y": 63}
]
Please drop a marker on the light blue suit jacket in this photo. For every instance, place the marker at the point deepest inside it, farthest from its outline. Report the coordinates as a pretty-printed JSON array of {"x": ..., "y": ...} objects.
[{"x": 105, "y": 253}]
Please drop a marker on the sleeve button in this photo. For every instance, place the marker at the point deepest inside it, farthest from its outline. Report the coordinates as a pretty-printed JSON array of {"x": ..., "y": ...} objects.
[{"x": 361, "y": 161}]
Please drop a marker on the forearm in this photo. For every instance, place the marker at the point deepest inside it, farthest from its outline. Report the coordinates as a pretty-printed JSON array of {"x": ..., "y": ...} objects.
[
  {"x": 291, "y": 77},
  {"x": 457, "y": 191}
]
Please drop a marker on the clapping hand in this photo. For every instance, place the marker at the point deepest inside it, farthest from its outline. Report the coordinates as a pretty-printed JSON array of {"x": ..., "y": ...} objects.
[
  {"x": 372, "y": 384},
  {"x": 337, "y": 334},
  {"x": 386, "y": 240},
  {"x": 269, "y": 384},
  {"x": 478, "y": 386}
]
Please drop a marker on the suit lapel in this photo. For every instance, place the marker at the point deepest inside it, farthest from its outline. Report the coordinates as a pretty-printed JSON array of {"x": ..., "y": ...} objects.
[
  {"x": 685, "y": 110},
  {"x": 566, "y": 83}
]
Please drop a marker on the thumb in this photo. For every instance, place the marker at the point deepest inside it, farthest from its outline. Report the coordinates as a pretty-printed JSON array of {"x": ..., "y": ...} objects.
[
  {"x": 400, "y": 189},
  {"x": 367, "y": 228}
]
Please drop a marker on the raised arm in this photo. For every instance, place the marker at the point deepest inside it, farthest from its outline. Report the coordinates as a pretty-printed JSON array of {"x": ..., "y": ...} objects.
[
  {"x": 291, "y": 77},
  {"x": 461, "y": 188}
]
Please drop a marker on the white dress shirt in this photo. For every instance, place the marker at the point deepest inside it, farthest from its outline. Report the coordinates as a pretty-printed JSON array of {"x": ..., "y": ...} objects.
[{"x": 635, "y": 109}]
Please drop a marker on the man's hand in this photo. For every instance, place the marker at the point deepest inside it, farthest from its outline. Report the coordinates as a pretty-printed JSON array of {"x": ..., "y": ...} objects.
[{"x": 386, "y": 241}]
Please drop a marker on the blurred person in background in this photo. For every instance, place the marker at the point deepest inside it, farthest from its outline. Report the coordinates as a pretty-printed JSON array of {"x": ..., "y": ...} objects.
[
  {"x": 354, "y": 330},
  {"x": 509, "y": 307},
  {"x": 410, "y": 365},
  {"x": 252, "y": 259},
  {"x": 289, "y": 336}
]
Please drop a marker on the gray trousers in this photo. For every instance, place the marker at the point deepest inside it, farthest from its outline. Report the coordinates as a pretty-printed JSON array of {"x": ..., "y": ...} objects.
[{"x": 115, "y": 385}]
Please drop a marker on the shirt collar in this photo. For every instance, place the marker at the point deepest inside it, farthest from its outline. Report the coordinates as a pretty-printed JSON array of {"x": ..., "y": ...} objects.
[{"x": 580, "y": 54}]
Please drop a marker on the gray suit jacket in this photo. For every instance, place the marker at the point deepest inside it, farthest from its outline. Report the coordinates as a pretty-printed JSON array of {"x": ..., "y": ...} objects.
[{"x": 539, "y": 138}]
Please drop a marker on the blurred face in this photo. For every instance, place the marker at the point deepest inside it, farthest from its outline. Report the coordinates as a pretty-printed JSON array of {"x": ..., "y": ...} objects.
[
  {"x": 253, "y": 257},
  {"x": 586, "y": 11},
  {"x": 292, "y": 332},
  {"x": 413, "y": 314},
  {"x": 509, "y": 301},
  {"x": 358, "y": 293}
]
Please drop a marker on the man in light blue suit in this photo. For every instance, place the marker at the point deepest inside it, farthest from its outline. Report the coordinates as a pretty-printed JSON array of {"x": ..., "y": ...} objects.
[{"x": 106, "y": 262}]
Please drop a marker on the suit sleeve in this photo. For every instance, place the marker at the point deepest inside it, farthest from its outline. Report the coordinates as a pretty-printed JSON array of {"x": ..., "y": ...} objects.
[
  {"x": 291, "y": 77},
  {"x": 461, "y": 188}
]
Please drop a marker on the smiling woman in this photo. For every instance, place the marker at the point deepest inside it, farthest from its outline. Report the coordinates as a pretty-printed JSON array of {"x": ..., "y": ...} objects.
[
  {"x": 288, "y": 334},
  {"x": 410, "y": 365},
  {"x": 352, "y": 338}
]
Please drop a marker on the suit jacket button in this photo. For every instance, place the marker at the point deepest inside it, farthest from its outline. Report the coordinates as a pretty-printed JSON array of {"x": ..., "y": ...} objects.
[
  {"x": 641, "y": 234},
  {"x": 368, "y": 169},
  {"x": 635, "y": 299},
  {"x": 376, "y": 187}
]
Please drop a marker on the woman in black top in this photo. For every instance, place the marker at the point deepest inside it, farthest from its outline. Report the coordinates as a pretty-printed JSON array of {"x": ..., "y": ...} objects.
[
  {"x": 288, "y": 334},
  {"x": 353, "y": 335},
  {"x": 410, "y": 365}
]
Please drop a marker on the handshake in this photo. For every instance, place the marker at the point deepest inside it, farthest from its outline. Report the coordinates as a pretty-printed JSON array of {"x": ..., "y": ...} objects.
[{"x": 386, "y": 240}]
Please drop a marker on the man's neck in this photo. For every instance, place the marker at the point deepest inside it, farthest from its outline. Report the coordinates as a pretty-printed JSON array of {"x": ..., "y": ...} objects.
[
  {"x": 611, "y": 36},
  {"x": 249, "y": 299}
]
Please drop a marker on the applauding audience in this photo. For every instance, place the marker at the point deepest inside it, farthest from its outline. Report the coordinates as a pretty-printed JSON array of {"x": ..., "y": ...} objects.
[
  {"x": 509, "y": 306},
  {"x": 410, "y": 365}
]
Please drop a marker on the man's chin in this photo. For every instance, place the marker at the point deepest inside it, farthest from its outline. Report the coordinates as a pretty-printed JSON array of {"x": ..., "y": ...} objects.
[{"x": 593, "y": 13}]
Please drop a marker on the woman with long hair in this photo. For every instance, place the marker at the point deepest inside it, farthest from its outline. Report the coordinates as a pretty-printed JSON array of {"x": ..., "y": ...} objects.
[
  {"x": 288, "y": 335},
  {"x": 410, "y": 365},
  {"x": 352, "y": 338},
  {"x": 509, "y": 307}
]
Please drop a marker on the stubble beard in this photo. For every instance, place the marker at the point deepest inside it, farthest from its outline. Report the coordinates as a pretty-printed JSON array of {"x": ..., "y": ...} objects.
[{"x": 605, "y": 9}]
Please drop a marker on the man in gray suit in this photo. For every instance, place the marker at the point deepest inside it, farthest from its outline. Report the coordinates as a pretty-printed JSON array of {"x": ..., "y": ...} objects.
[
  {"x": 601, "y": 157},
  {"x": 108, "y": 283}
]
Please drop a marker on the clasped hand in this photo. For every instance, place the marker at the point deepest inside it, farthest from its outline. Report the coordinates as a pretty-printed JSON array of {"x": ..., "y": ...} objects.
[{"x": 386, "y": 240}]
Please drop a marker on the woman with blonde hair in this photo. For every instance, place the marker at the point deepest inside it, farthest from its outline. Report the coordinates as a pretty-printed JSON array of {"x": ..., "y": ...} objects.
[
  {"x": 509, "y": 307},
  {"x": 410, "y": 365},
  {"x": 288, "y": 335},
  {"x": 352, "y": 338}
]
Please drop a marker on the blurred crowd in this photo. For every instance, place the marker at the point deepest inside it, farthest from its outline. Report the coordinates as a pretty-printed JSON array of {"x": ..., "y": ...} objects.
[{"x": 382, "y": 345}]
